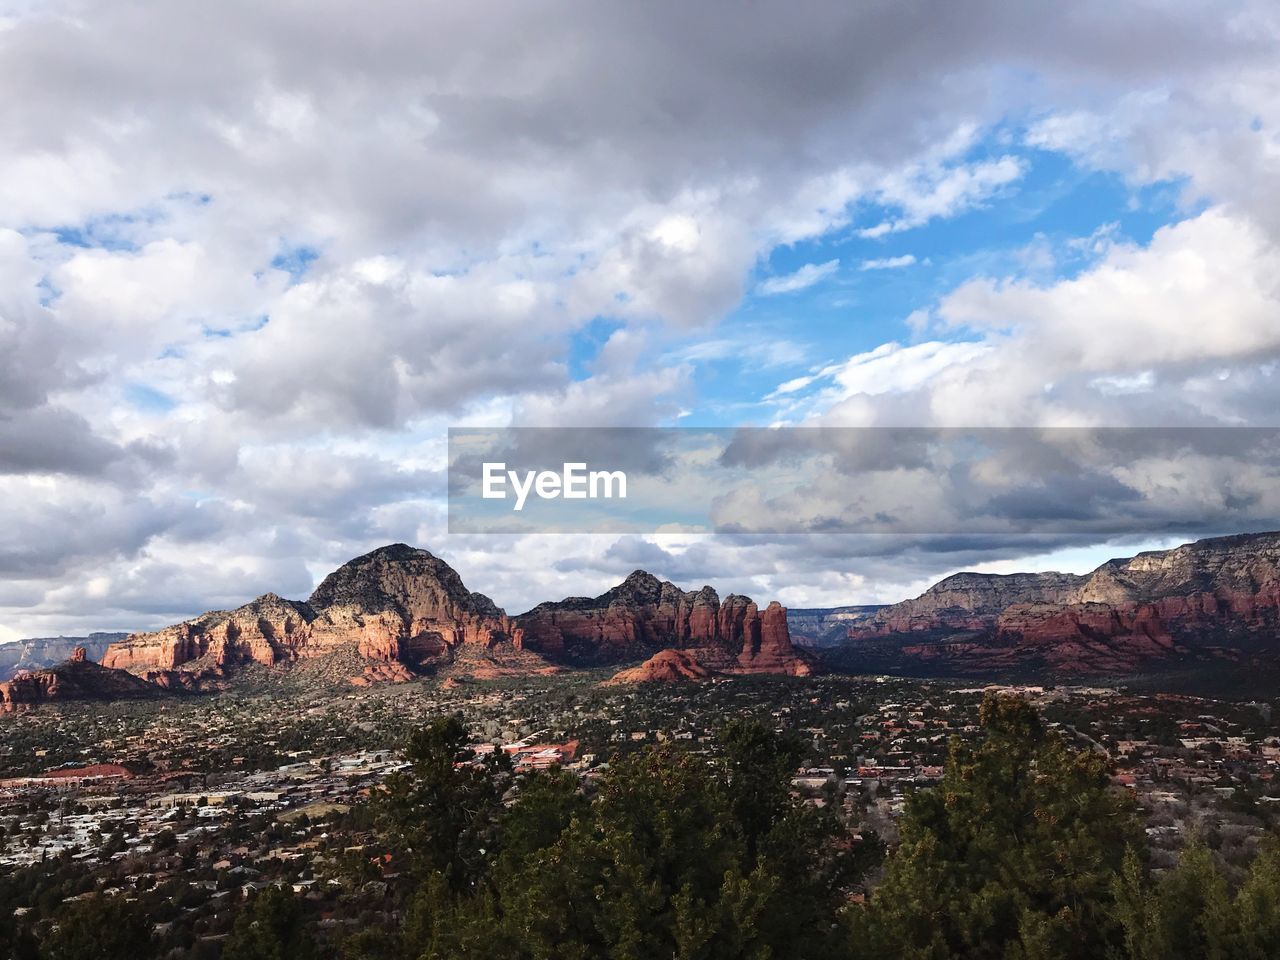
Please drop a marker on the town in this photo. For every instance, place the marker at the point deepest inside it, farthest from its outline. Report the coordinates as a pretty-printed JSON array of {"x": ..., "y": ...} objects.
[{"x": 202, "y": 802}]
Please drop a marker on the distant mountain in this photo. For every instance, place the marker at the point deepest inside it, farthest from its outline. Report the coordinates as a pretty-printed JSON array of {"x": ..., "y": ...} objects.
[
  {"x": 820, "y": 627},
  {"x": 76, "y": 678},
  {"x": 644, "y": 615},
  {"x": 394, "y": 613},
  {"x": 400, "y": 612},
  {"x": 40, "y": 652},
  {"x": 1213, "y": 600}
]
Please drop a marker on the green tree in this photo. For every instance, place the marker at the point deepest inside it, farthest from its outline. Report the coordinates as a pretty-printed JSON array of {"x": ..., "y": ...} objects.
[
  {"x": 1257, "y": 906},
  {"x": 102, "y": 928},
  {"x": 759, "y": 765},
  {"x": 1014, "y": 855},
  {"x": 441, "y": 814},
  {"x": 658, "y": 868},
  {"x": 548, "y": 802},
  {"x": 274, "y": 928},
  {"x": 1189, "y": 912}
]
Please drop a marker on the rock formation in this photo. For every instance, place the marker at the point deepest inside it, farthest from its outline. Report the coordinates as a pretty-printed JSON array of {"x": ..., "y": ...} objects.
[
  {"x": 40, "y": 652},
  {"x": 75, "y": 679},
  {"x": 1214, "y": 598},
  {"x": 818, "y": 627},
  {"x": 644, "y": 615},
  {"x": 400, "y": 608},
  {"x": 667, "y": 666}
]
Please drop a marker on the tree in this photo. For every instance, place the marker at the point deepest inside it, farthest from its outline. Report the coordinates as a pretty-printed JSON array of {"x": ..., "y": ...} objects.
[
  {"x": 104, "y": 928},
  {"x": 1257, "y": 906},
  {"x": 658, "y": 867},
  {"x": 1014, "y": 854},
  {"x": 1189, "y": 913},
  {"x": 440, "y": 815},
  {"x": 759, "y": 765},
  {"x": 274, "y": 928}
]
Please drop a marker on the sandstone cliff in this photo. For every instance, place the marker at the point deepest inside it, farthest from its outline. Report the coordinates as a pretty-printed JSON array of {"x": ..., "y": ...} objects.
[
  {"x": 819, "y": 627},
  {"x": 75, "y": 679},
  {"x": 1215, "y": 598},
  {"x": 643, "y": 615},
  {"x": 40, "y": 652},
  {"x": 400, "y": 608}
]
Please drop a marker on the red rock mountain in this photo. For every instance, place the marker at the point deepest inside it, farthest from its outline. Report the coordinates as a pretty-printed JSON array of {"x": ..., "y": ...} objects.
[
  {"x": 40, "y": 652},
  {"x": 1215, "y": 598},
  {"x": 398, "y": 609},
  {"x": 666, "y": 666},
  {"x": 644, "y": 615},
  {"x": 75, "y": 679}
]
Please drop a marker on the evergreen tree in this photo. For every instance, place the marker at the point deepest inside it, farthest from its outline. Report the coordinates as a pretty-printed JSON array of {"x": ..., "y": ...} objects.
[
  {"x": 274, "y": 928},
  {"x": 1189, "y": 912},
  {"x": 1014, "y": 855},
  {"x": 440, "y": 815},
  {"x": 1257, "y": 906},
  {"x": 102, "y": 928}
]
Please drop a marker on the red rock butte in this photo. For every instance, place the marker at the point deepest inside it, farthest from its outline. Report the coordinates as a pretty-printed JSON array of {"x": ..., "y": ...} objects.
[
  {"x": 1214, "y": 598},
  {"x": 399, "y": 612},
  {"x": 644, "y": 615}
]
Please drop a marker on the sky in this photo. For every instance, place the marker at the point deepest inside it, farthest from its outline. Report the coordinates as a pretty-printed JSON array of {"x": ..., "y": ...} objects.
[{"x": 256, "y": 259}]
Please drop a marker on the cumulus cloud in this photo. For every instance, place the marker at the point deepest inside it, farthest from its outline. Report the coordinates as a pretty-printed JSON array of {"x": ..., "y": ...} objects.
[{"x": 253, "y": 260}]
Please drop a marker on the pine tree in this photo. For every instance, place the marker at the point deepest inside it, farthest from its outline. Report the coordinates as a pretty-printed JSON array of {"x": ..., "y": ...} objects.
[
  {"x": 274, "y": 928},
  {"x": 1014, "y": 855}
]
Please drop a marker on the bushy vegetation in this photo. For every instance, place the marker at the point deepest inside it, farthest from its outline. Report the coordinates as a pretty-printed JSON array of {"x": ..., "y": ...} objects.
[
  {"x": 672, "y": 856},
  {"x": 1024, "y": 851}
]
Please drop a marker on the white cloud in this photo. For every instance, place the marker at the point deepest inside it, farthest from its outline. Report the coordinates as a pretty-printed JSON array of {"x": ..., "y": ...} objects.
[
  {"x": 930, "y": 191},
  {"x": 1204, "y": 290},
  {"x": 801, "y": 279},
  {"x": 893, "y": 368},
  {"x": 889, "y": 263},
  {"x": 476, "y": 197}
]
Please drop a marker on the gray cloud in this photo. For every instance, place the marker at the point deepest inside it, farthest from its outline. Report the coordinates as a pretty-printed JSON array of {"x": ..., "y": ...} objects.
[{"x": 183, "y": 423}]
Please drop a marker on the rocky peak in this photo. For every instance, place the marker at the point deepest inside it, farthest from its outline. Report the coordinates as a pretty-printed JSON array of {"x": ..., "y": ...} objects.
[
  {"x": 73, "y": 679},
  {"x": 78, "y": 655},
  {"x": 394, "y": 578},
  {"x": 638, "y": 588},
  {"x": 1214, "y": 597},
  {"x": 398, "y": 606},
  {"x": 644, "y": 615}
]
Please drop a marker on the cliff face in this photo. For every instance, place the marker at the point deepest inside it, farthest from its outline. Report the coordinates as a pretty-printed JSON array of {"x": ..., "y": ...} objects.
[
  {"x": 637, "y": 617},
  {"x": 400, "y": 608},
  {"x": 398, "y": 611},
  {"x": 644, "y": 615},
  {"x": 404, "y": 604},
  {"x": 972, "y": 601},
  {"x": 75, "y": 679},
  {"x": 263, "y": 631},
  {"x": 819, "y": 627},
  {"x": 665, "y": 666},
  {"x": 1213, "y": 598},
  {"x": 40, "y": 652}
]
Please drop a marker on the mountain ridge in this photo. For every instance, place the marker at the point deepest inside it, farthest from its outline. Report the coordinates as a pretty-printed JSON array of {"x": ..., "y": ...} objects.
[
  {"x": 37, "y": 653},
  {"x": 1215, "y": 598},
  {"x": 402, "y": 612}
]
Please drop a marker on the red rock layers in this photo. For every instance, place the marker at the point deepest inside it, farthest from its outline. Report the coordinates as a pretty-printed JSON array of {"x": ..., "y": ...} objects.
[
  {"x": 74, "y": 679},
  {"x": 644, "y": 615},
  {"x": 401, "y": 608},
  {"x": 1212, "y": 598},
  {"x": 666, "y": 666}
]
